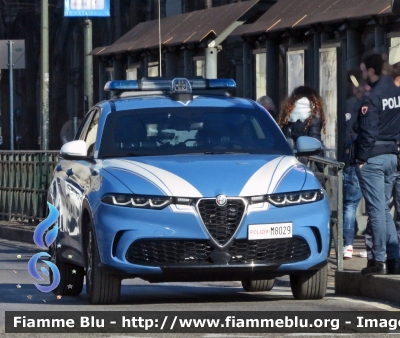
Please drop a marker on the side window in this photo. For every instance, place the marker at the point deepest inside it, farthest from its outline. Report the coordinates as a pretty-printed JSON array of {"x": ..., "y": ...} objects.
[
  {"x": 92, "y": 133},
  {"x": 82, "y": 131}
]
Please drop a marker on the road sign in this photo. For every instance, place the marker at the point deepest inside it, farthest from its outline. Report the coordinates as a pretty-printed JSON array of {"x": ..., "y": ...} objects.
[
  {"x": 87, "y": 8},
  {"x": 18, "y": 54}
]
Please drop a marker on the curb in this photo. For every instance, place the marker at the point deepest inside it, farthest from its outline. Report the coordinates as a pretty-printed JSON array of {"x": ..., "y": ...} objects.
[
  {"x": 378, "y": 287},
  {"x": 17, "y": 234}
]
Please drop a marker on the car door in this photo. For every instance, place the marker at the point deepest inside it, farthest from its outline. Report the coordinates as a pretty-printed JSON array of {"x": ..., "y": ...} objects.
[
  {"x": 60, "y": 188},
  {"x": 67, "y": 182},
  {"x": 79, "y": 174}
]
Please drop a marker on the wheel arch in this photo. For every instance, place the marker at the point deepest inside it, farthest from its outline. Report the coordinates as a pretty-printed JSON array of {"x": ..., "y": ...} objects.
[{"x": 86, "y": 218}]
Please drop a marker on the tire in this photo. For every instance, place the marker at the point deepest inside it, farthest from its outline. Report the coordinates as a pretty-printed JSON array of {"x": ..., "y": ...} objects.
[
  {"x": 258, "y": 285},
  {"x": 70, "y": 275},
  {"x": 310, "y": 284},
  {"x": 101, "y": 287}
]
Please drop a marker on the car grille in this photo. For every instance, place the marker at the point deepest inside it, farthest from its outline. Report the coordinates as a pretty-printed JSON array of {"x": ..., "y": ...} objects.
[
  {"x": 221, "y": 222},
  {"x": 170, "y": 251},
  {"x": 270, "y": 251}
]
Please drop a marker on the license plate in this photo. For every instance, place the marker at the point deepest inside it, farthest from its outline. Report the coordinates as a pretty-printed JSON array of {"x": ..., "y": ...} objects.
[{"x": 265, "y": 231}]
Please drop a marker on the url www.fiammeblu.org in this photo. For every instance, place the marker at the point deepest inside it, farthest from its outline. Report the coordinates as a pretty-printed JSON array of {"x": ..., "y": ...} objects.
[{"x": 234, "y": 322}]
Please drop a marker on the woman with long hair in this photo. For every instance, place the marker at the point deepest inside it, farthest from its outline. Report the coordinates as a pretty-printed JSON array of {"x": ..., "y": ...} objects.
[{"x": 302, "y": 114}]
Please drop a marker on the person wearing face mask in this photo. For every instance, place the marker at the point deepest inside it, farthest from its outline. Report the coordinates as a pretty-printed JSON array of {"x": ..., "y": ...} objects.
[
  {"x": 376, "y": 157},
  {"x": 302, "y": 114}
]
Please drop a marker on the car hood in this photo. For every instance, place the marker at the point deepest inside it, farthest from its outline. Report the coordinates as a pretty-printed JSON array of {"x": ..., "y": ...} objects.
[{"x": 208, "y": 175}]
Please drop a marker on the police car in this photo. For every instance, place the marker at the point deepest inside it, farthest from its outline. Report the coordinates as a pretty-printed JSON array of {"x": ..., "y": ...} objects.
[{"x": 175, "y": 180}]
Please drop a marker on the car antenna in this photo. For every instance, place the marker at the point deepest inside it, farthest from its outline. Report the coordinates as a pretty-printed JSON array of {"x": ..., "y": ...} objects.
[{"x": 159, "y": 36}]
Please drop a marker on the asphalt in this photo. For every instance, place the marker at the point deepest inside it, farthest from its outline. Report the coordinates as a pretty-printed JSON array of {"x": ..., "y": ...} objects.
[{"x": 348, "y": 282}]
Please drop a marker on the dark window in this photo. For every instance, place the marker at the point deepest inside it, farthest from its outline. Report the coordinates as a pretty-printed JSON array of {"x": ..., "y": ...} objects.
[{"x": 191, "y": 130}]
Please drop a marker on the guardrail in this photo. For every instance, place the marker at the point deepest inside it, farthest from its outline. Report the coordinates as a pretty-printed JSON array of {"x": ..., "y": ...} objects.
[
  {"x": 330, "y": 174},
  {"x": 24, "y": 179}
]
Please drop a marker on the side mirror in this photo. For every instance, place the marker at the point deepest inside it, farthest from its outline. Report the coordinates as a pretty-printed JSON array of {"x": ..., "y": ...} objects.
[
  {"x": 308, "y": 146},
  {"x": 74, "y": 150}
]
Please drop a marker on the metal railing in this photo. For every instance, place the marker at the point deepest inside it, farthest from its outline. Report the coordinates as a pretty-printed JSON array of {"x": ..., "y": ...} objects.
[
  {"x": 330, "y": 174},
  {"x": 25, "y": 177}
]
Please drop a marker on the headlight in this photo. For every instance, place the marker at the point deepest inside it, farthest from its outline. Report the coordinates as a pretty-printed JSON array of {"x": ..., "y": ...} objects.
[
  {"x": 145, "y": 201},
  {"x": 289, "y": 198}
]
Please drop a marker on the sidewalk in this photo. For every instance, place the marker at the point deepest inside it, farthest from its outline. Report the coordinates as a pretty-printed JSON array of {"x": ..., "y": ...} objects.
[
  {"x": 16, "y": 231},
  {"x": 351, "y": 282},
  {"x": 348, "y": 282}
]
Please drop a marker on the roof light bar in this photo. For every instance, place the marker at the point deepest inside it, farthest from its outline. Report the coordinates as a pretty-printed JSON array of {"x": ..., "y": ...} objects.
[
  {"x": 181, "y": 86},
  {"x": 221, "y": 83},
  {"x": 121, "y": 85},
  {"x": 177, "y": 85},
  {"x": 155, "y": 84}
]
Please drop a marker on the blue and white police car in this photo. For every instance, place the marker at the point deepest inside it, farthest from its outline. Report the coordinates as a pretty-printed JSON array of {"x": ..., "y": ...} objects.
[{"x": 175, "y": 180}]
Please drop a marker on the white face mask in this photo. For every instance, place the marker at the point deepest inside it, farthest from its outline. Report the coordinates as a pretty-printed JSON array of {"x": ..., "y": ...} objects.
[{"x": 301, "y": 111}]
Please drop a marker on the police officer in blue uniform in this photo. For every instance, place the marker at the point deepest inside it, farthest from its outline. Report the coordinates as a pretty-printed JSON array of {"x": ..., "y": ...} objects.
[{"x": 376, "y": 155}]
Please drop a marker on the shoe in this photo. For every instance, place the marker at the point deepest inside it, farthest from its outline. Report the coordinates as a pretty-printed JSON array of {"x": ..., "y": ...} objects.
[
  {"x": 348, "y": 252},
  {"x": 375, "y": 268},
  {"x": 363, "y": 254},
  {"x": 393, "y": 267}
]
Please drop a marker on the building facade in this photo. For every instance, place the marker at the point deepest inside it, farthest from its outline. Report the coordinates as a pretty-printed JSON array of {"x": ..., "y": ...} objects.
[
  {"x": 21, "y": 20},
  {"x": 320, "y": 43},
  {"x": 268, "y": 47}
]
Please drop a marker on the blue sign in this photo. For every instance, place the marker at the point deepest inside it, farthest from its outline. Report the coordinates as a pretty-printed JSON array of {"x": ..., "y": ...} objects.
[{"x": 87, "y": 8}]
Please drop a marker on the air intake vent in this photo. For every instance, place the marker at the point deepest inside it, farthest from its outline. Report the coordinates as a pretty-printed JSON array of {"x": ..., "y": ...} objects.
[
  {"x": 159, "y": 252},
  {"x": 273, "y": 251},
  {"x": 221, "y": 221}
]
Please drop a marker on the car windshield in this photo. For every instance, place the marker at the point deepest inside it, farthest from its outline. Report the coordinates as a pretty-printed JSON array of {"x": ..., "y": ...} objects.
[{"x": 191, "y": 130}]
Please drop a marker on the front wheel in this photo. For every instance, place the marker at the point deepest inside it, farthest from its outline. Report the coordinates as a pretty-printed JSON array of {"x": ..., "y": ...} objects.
[
  {"x": 102, "y": 287},
  {"x": 71, "y": 276},
  {"x": 258, "y": 285},
  {"x": 310, "y": 284}
]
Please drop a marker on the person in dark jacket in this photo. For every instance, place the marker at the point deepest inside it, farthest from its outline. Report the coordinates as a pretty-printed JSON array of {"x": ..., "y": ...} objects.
[
  {"x": 396, "y": 195},
  {"x": 269, "y": 105},
  {"x": 351, "y": 187},
  {"x": 376, "y": 155},
  {"x": 302, "y": 114},
  {"x": 396, "y": 175}
]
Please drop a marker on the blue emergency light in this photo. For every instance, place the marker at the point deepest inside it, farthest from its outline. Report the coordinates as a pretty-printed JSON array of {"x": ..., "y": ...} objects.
[{"x": 176, "y": 85}]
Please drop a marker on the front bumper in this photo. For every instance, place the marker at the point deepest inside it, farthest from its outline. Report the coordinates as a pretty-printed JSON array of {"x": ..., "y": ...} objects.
[{"x": 173, "y": 244}]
